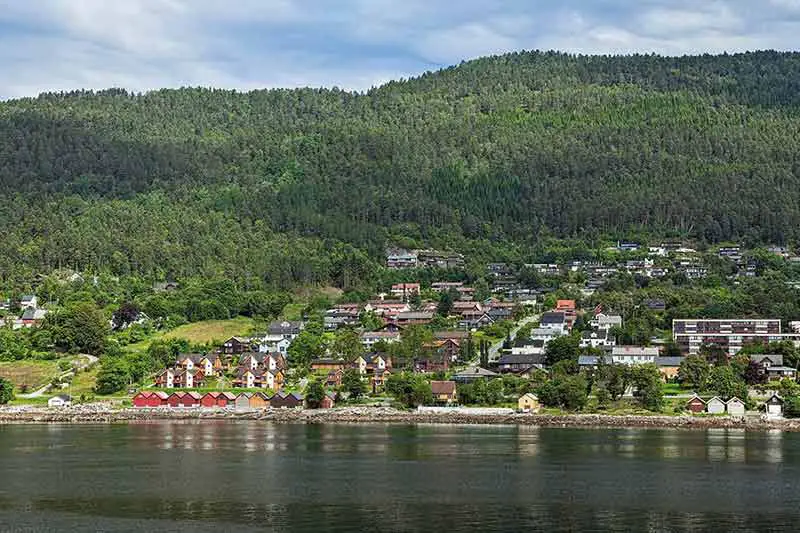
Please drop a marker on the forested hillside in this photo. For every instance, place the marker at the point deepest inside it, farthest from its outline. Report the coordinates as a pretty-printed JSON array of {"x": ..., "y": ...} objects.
[{"x": 309, "y": 186}]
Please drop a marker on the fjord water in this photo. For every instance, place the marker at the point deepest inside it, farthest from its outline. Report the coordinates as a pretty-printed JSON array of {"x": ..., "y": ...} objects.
[{"x": 255, "y": 476}]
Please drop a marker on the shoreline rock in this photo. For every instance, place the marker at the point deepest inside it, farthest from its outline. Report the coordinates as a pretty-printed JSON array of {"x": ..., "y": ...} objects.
[{"x": 103, "y": 414}]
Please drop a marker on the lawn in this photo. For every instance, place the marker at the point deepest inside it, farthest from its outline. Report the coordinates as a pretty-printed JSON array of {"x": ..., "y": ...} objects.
[
  {"x": 672, "y": 389},
  {"x": 202, "y": 332},
  {"x": 34, "y": 374},
  {"x": 293, "y": 311},
  {"x": 83, "y": 382}
]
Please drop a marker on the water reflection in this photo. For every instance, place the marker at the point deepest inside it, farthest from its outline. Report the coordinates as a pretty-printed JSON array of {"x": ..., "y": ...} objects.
[{"x": 252, "y": 474}]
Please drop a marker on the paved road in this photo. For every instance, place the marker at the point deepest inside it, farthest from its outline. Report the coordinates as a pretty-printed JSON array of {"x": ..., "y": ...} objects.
[{"x": 494, "y": 349}]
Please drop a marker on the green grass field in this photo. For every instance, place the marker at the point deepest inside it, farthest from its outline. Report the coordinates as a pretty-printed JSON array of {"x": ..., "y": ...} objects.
[
  {"x": 84, "y": 382},
  {"x": 202, "y": 332},
  {"x": 34, "y": 374}
]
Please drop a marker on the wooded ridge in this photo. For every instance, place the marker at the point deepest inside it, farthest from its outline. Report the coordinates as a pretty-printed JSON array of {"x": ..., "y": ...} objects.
[{"x": 286, "y": 187}]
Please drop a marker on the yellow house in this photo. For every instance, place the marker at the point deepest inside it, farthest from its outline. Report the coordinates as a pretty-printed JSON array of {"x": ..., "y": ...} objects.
[{"x": 529, "y": 403}]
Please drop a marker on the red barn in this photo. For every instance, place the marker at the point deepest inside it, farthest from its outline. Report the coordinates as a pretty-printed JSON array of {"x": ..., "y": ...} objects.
[
  {"x": 696, "y": 405},
  {"x": 225, "y": 399},
  {"x": 158, "y": 399},
  {"x": 190, "y": 399},
  {"x": 142, "y": 399},
  {"x": 174, "y": 399},
  {"x": 209, "y": 399}
]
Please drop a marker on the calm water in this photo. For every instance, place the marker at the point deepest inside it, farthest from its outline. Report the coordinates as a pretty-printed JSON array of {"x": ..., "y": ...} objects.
[{"x": 249, "y": 476}]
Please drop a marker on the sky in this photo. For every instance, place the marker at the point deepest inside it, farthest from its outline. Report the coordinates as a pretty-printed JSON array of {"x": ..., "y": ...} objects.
[{"x": 53, "y": 45}]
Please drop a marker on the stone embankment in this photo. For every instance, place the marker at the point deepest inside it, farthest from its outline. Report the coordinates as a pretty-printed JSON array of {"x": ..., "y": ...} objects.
[{"x": 99, "y": 413}]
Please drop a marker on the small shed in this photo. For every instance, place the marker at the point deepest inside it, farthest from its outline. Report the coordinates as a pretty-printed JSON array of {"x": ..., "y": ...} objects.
[
  {"x": 288, "y": 400},
  {"x": 735, "y": 407},
  {"x": 174, "y": 399},
  {"x": 209, "y": 399},
  {"x": 444, "y": 391},
  {"x": 226, "y": 399},
  {"x": 191, "y": 399},
  {"x": 258, "y": 400},
  {"x": 158, "y": 399},
  {"x": 242, "y": 401},
  {"x": 715, "y": 406},
  {"x": 528, "y": 403},
  {"x": 774, "y": 406},
  {"x": 142, "y": 399},
  {"x": 62, "y": 400},
  {"x": 696, "y": 404},
  {"x": 328, "y": 401}
]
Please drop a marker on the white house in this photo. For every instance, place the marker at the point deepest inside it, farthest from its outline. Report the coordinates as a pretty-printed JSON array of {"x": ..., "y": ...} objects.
[
  {"x": 62, "y": 400},
  {"x": 735, "y": 407},
  {"x": 369, "y": 338},
  {"x": 274, "y": 343},
  {"x": 715, "y": 406},
  {"x": 286, "y": 329},
  {"x": 605, "y": 322},
  {"x": 774, "y": 406},
  {"x": 554, "y": 320},
  {"x": 633, "y": 355},
  {"x": 544, "y": 335},
  {"x": 596, "y": 339},
  {"x": 29, "y": 301}
]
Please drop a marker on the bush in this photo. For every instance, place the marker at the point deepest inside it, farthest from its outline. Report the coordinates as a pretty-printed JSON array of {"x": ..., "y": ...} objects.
[{"x": 6, "y": 391}]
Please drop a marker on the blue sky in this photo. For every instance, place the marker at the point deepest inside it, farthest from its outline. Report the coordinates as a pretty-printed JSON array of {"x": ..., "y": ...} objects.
[{"x": 353, "y": 44}]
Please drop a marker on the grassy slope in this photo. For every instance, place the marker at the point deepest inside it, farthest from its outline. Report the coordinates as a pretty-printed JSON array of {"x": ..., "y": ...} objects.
[
  {"x": 35, "y": 374},
  {"x": 202, "y": 332}
]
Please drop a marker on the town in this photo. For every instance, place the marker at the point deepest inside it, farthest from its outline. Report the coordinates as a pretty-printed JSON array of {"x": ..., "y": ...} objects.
[{"x": 579, "y": 335}]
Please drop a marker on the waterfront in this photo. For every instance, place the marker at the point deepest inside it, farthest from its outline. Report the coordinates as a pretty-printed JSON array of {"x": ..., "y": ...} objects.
[{"x": 254, "y": 475}]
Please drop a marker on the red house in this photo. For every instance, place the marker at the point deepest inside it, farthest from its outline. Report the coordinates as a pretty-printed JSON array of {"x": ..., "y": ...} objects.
[
  {"x": 142, "y": 399},
  {"x": 190, "y": 399},
  {"x": 174, "y": 399},
  {"x": 209, "y": 399}
]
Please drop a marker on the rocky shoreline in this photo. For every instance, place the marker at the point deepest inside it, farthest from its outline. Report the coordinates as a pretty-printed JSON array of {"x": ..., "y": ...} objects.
[{"x": 101, "y": 414}]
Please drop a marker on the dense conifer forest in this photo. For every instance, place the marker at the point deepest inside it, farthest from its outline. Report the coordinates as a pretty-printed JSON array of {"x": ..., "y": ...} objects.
[{"x": 489, "y": 158}]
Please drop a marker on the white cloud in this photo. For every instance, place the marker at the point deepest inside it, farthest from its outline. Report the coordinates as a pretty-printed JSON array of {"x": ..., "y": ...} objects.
[
  {"x": 464, "y": 42},
  {"x": 147, "y": 44}
]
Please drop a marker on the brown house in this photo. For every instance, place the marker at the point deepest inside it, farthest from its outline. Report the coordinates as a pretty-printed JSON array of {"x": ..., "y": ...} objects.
[
  {"x": 287, "y": 400},
  {"x": 328, "y": 401},
  {"x": 328, "y": 364},
  {"x": 444, "y": 391},
  {"x": 696, "y": 405},
  {"x": 259, "y": 400},
  {"x": 334, "y": 378},
  {"x": 236, "y": 346}
]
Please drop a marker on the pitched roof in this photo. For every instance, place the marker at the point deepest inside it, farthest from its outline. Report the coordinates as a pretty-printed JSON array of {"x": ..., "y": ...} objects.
[
  {"x": 476, "y": 372},
  {"x": 565, "y": 304},
  {"x": 646, "y": 351},
  {"x": 443, "y": 387},
  {"x": 552, "y": 317},
  {"x": 285, "y": 327},
  {"x": 537, "y": 359},
  {"x": 669, "y": 361},
  {"x": 587, "y": 360},
  {"x": 415, "y": 315},
  {"x": 774, "y": 358}
]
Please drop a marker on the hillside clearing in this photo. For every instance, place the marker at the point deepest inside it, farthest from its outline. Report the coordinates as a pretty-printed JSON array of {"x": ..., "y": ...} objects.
[
  {"x": 33, "y": 374},
  {"x": 202, "y": 332}
]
